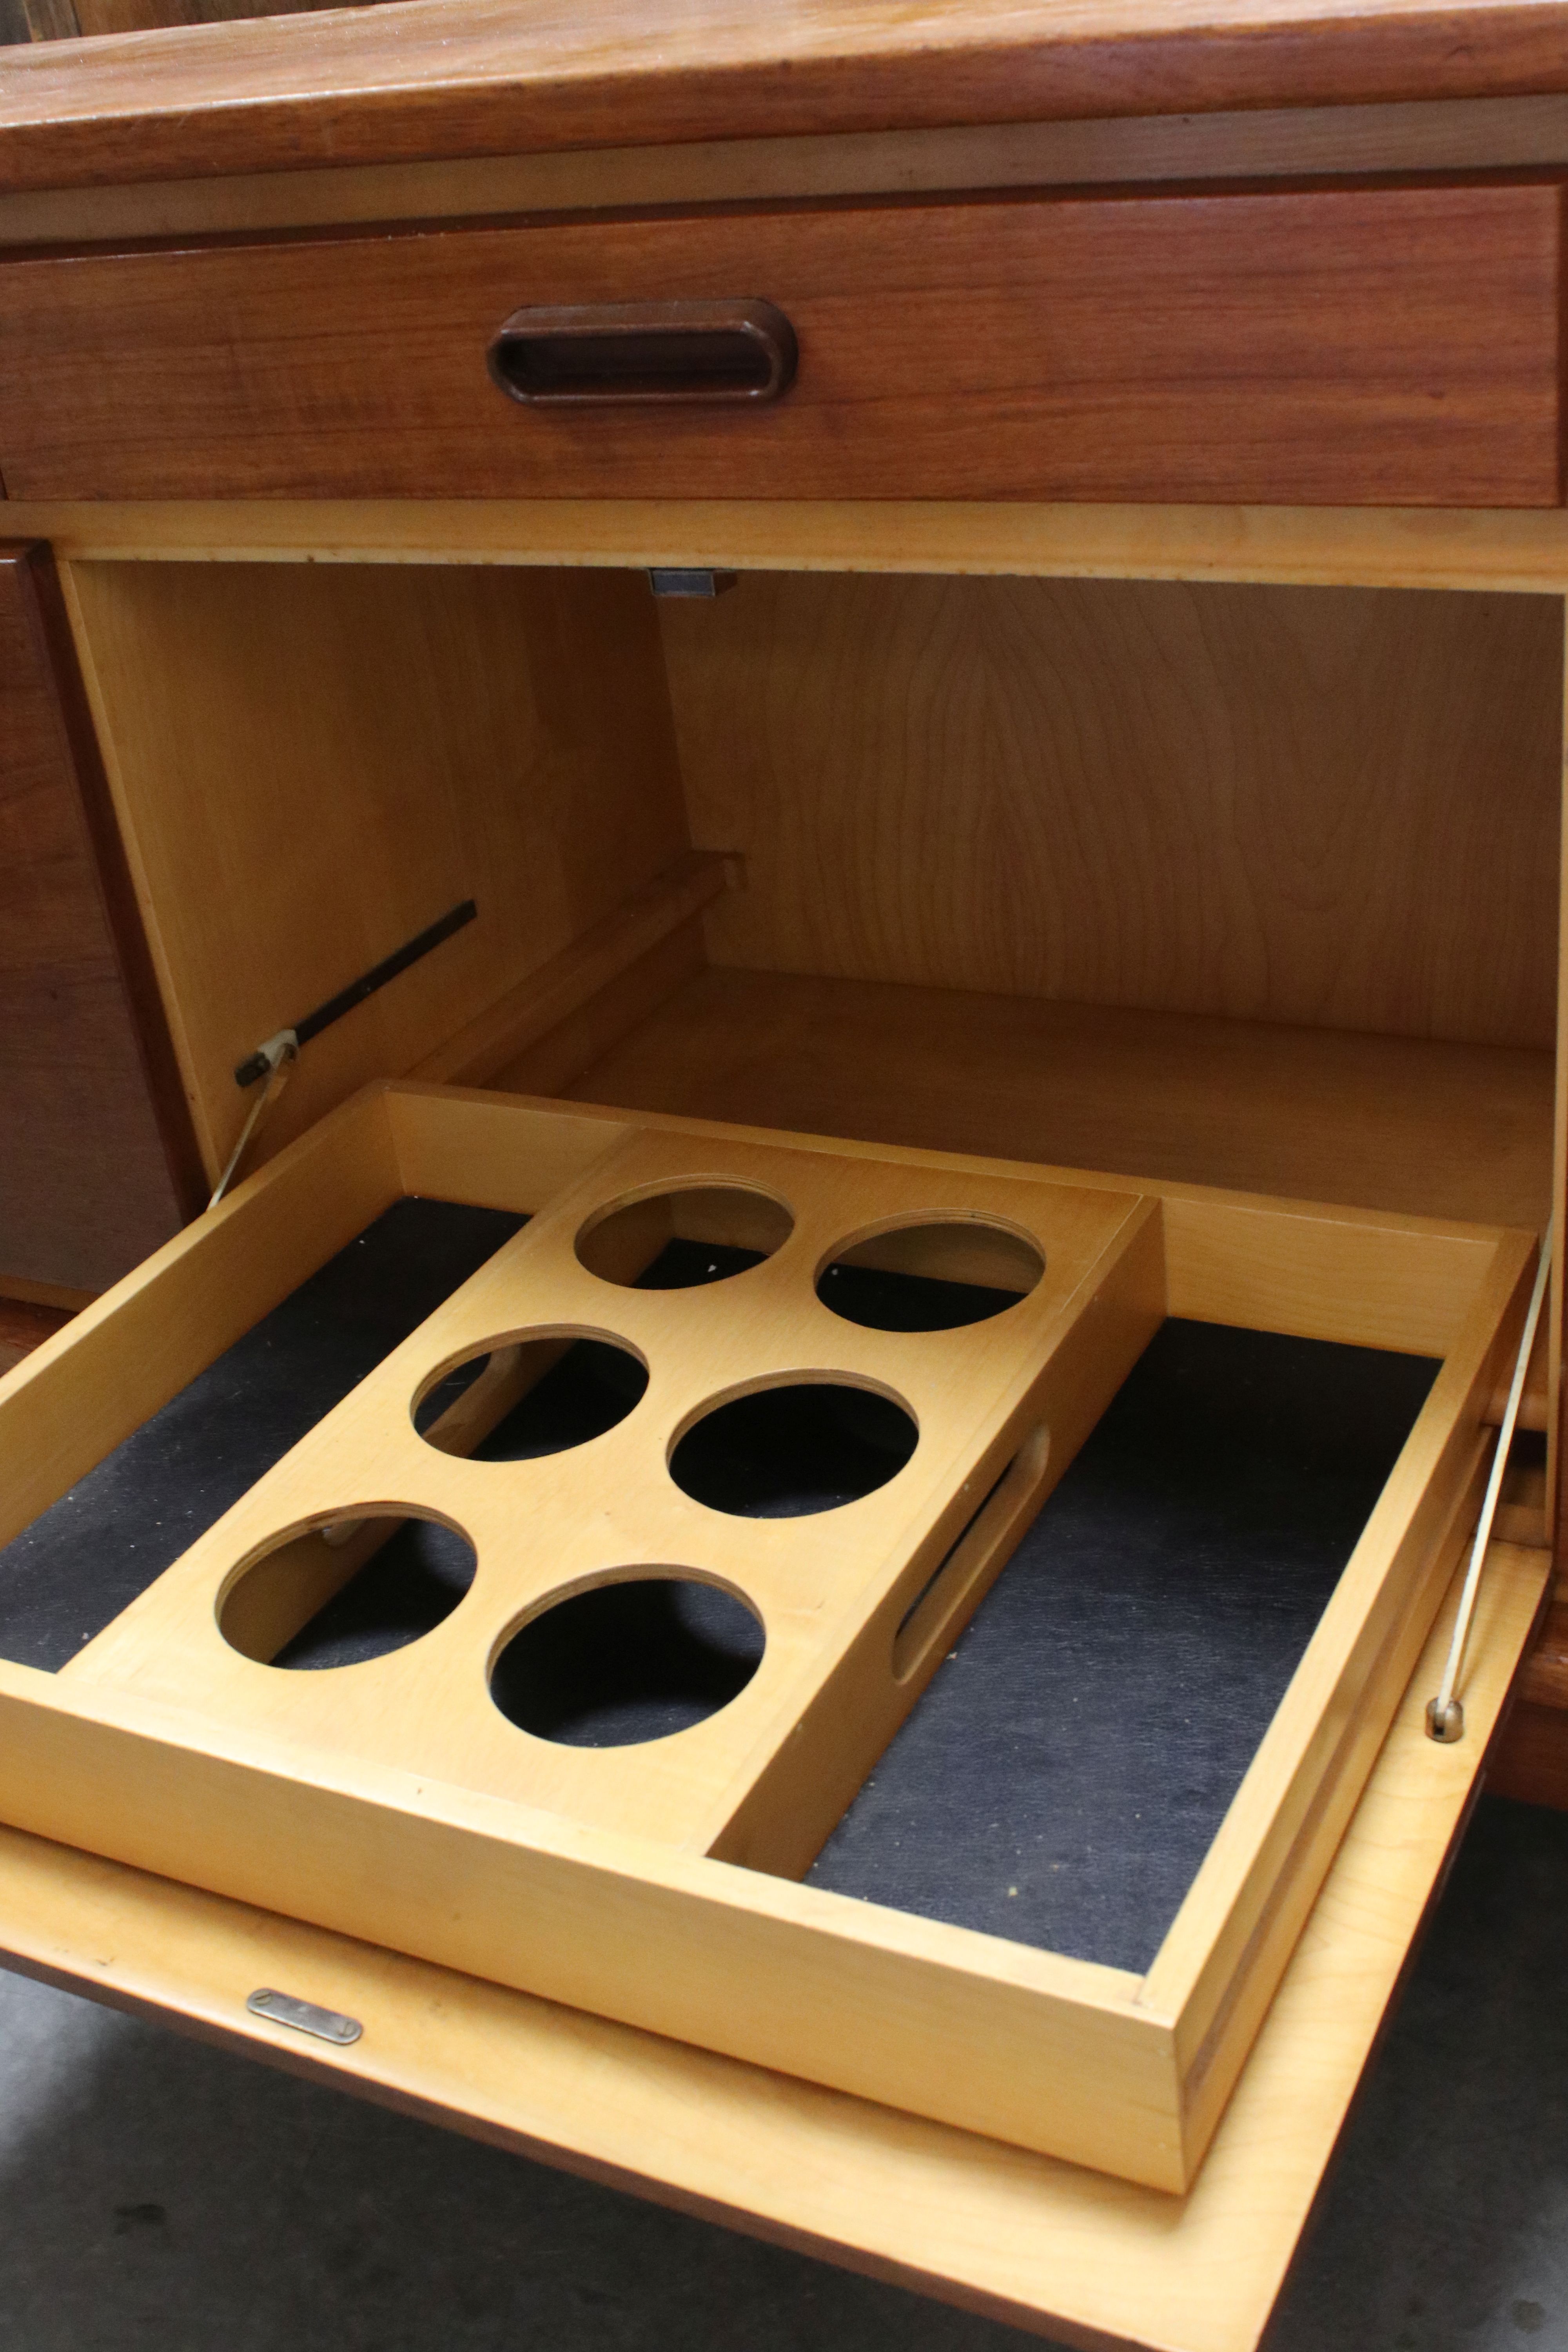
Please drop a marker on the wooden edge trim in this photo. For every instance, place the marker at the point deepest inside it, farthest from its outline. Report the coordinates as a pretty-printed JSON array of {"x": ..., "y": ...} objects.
[
  {"x": 1477, "y": 1240},
  {"x": 872, "y": 2002},
  {"x": 1387, "y": 1283},
  {"x": 566, "y": 983},
  {"x": 462, "y": 75},
  {"x": 74, "y": 1399},
  {"x": 1334, "y": 1683},
  {"x": 1522, "y": 551},
  {"x": 477, "y": 1158},
  {"x": 610, "y": 1016},
  {"x": 1212, "y": 2066}
]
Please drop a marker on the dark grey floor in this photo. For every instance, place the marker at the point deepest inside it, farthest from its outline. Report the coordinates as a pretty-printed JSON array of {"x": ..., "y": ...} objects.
[{"x": 158, "y": 2194}]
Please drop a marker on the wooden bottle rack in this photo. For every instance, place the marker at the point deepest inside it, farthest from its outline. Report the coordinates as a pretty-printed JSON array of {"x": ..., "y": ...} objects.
[{"x": 392, "y": 1802}]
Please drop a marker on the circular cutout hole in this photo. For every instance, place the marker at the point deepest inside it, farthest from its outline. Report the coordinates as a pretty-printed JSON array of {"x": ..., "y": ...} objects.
[
  {"x": 802, "y": 1446},
  {"x": 352, "y": 1587},
  {"x": 680, "y": 1239},
  {"x": 630, "y": 1660},
  {"x": 937, "y": 1276},
  {"x": 517, "y": 1400}
]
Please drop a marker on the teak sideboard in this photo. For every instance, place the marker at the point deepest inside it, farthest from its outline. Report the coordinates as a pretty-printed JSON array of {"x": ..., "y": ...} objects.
[{"x": 828, "y": 744}]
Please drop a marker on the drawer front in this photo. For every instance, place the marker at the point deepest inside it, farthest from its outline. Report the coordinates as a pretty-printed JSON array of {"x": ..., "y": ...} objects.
[
  {"x": 93, "y": 1123},
  {"x": 1389, "y": 346}
]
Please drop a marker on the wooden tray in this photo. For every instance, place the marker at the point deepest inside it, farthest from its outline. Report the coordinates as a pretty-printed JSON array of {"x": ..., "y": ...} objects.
[
  {"x": 1076, "y": 2256},
  {"x": 391, "y": 1803}
]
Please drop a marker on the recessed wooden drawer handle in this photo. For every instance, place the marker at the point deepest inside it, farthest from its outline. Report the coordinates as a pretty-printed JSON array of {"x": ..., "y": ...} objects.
[{"x": 646, "y": 352}]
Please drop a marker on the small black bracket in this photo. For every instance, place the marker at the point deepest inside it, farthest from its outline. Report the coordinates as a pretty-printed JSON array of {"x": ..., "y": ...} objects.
[{"x": 256, "y": 1065}]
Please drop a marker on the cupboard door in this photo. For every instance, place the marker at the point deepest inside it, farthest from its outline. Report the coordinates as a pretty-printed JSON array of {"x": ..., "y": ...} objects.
[{"x": 97, "y": 1166}]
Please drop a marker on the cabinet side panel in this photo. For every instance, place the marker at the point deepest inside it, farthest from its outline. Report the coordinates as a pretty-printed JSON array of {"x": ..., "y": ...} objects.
[
  {"x": 315, "y": 765},
  {"x": 86, "y": 1182}
]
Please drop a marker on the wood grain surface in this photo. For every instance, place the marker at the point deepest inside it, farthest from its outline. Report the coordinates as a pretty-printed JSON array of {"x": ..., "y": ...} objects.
[
  {"x": 484, "y": 77},
  {"x": 65, "y": 20},
  {"x": 1316, "y": 1114},
  {"x": 87, "y": 1183},
  {"x": 1523, "y": 552},
  {"x": 1400, "y": 348},
  {"x": 313, "y": 766},
  {"x": 1335, "y": 807},
  {"x": 24, "y": 1325},
  {"x": 1263, "y": 145}
]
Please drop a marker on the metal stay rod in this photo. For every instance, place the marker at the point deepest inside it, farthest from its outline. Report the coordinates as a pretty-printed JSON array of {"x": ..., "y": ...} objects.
[{"x": 1444, "y": 1716}]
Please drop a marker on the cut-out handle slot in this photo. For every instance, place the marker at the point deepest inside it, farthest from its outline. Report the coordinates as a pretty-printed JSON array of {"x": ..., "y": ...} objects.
[
  {"x": 930, "y": 1617},
  {"x": 598, "y": 353}
]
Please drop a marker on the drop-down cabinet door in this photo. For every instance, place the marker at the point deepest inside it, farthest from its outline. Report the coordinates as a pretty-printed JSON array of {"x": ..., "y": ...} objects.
[{"x": 96, "y": 1162}]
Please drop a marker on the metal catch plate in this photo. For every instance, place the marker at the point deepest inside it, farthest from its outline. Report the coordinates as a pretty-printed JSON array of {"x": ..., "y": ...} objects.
[{"x": 326, "y": 2024}]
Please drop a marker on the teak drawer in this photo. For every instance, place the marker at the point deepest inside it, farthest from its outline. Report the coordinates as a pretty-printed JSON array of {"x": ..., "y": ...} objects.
[
  {"x": 653, "y": 1883},
  {"x": 1373, "y": 346}
]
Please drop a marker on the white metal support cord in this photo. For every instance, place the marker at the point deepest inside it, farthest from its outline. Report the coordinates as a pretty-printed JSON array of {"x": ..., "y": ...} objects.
[
  {"x": 280, "y": 1054},
  {"x": 1444, "y": 1716}
]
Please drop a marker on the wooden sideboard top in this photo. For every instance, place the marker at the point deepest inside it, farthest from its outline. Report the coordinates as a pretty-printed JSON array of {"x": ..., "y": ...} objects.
[{"x": 428, "y": 79}]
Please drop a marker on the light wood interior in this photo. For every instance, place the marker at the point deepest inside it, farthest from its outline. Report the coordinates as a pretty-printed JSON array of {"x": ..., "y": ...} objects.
[
  {"x": 1335, "y": 807},
  {"x": 1239, "y": 884},
  {"x": 312, "y": 764},
  {"x": 1249, "y": 883}
]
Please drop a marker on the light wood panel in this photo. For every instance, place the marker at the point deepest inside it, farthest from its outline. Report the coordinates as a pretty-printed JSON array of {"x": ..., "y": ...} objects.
[
  {"x": 132, "y": 1349},
  {"x": 503, "y": 1034},
  {"x": 1438, "y": 1130},
  {"x": 1386, "y": 1123},
  {"x": 1374, "y": 1278},
  {"x": 1522, "y": 551},
  {"x": 561, "y": 1055},
  {"x": 311, "y": 767},
  {"x": 1334, "y": 807},
  {"x": 1264, "y": 143},
  {"x": 462, "y": 76},
  {"x": 1402, "y": 348}
]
